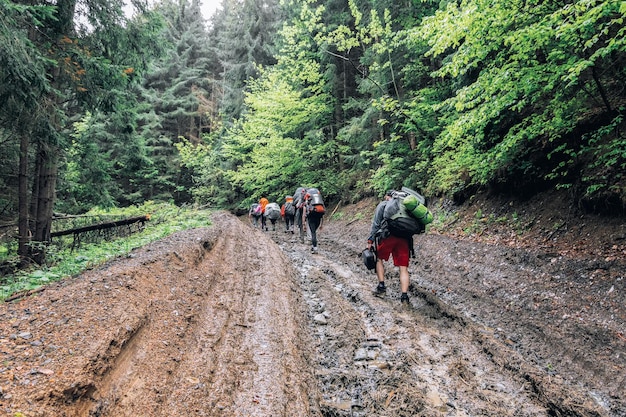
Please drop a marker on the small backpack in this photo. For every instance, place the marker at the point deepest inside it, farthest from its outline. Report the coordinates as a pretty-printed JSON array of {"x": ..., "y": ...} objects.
[
  {"x": 406, "y": 220},
  {"x": 315, "y": 201},
  {"x": 369, "y": 259}
]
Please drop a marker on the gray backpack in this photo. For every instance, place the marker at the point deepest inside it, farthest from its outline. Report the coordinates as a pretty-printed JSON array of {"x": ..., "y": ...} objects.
[
  {"x": 315, "y": 202},
  {"x": 272, "y": 211}
]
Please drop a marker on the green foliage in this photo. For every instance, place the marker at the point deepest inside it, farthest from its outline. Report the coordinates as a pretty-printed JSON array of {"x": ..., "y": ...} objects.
[
  {"x": 86, "y": 178},
  {"x": 352, "y": 97},
  {"x": 22, "y": 66},
  {"x": 599, "y": 160},
  {"x": 268, "y": 168},
  {"x": 208, "y": 171},
  {"x": 175, "y": 98},
  {"x": 525, "y": 73},
  {"x": 243, "y": 34},
  {"x": 269, "y": 146},
  {"x": 461, "y": 99}
]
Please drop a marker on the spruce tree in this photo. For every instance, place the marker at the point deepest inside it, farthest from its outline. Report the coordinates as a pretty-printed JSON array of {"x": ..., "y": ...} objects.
[{"x": 243, "y": 35}]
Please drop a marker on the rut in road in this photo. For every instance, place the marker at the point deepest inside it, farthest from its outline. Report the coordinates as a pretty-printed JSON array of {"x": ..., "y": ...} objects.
[
  {"x": 201, "y": 323},
  {"x": 376, "y": 357},
  {"x": 237, "y": 356}
]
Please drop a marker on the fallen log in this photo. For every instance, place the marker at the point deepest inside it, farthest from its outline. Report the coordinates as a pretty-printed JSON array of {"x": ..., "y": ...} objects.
[{"x": 102, "y": 226}]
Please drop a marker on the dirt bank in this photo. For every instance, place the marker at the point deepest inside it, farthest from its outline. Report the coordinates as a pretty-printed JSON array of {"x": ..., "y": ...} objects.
[{"x": 233, "y": 321}]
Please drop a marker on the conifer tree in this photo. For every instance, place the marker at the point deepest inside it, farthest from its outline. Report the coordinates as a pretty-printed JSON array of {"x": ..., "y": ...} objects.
[
  {"x": 243, "y": 35},
  {"x": 176, "y": 100}
]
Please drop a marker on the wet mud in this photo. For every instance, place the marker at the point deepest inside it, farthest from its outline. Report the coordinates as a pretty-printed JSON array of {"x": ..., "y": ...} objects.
[{"x": 235, "y": 321}]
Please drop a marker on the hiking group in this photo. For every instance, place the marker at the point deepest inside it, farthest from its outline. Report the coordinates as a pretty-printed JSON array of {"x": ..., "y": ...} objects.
[
  {"x": 401, "y": 215},
  {"x": 304, "y": 211}
]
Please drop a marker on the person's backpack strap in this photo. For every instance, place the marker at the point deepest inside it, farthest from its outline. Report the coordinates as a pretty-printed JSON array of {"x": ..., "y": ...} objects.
[{"x": 382, "y": 232}]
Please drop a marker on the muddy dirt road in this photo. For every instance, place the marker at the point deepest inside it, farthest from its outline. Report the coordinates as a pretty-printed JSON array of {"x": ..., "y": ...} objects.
[{"x": 233, "y": 321}]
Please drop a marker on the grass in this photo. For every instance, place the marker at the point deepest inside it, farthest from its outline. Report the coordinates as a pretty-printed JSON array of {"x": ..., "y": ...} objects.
[{"x": 165, "y": 220}]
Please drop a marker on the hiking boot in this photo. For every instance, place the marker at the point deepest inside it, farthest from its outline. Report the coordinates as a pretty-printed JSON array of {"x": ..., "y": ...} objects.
[
  {"x": 404, "y": 298},
  {"x": 314, "y": 249},
  {"x": 381, "y": 289}
]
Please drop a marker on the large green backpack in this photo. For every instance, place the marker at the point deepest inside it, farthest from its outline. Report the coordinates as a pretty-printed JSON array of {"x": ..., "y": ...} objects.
[
  {"x": 406, "y": 213},
  {"x": 415, "y": 204}
]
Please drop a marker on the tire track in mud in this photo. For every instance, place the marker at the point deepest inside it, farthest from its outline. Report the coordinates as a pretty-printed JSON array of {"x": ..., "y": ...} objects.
[
  {"x": 250, "y": 359},
  {"x": 536, "y": 303},
  {"x": 374, "y": 357},
  {"x": 227, "y": 361},
  {"x": 146, "y": 312},
  {"x": 378, "y": 358}
]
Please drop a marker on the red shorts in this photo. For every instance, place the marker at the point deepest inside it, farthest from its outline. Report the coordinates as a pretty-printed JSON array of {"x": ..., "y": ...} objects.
[{"x": 397, "y": 247}]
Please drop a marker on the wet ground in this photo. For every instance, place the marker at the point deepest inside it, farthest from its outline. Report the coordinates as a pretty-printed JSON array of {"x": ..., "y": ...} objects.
[{"x": 234, "y": 321}]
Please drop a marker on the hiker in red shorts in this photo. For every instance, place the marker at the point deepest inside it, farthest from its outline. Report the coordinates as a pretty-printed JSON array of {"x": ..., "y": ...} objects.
[{"x": 388, "y": 245}]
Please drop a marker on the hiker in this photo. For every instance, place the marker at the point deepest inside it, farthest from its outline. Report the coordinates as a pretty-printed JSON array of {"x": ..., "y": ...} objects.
[
  {"x": 272, "y": 212},
  {"x": 263, "y": 202},
  {"x": 288, "y": 213},
  {"x": 298, "y": 202},
  {"x": 255, "y": 214},
  {"x": 385, "y": 245},
  {"x": 314, "y": 210}
]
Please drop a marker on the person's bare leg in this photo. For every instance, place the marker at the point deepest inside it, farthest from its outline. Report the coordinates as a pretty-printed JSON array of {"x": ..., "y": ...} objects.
[
  {"x": 380, "y": 270},
  {"x": 404, "y": 278}
]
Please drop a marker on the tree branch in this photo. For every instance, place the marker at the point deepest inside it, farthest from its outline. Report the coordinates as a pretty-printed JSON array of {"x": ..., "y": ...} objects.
[{"x": 356, "y": 68}]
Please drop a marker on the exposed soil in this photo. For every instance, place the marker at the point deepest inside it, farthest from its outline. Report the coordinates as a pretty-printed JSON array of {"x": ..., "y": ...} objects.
[{"x": 514, "y": 312}]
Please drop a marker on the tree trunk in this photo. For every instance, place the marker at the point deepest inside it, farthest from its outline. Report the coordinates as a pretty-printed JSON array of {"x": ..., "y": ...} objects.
[
  {"x": 34, "y": 192},
  {"x": 22, "y": 191},
  {"x": 47, "y": 162}
]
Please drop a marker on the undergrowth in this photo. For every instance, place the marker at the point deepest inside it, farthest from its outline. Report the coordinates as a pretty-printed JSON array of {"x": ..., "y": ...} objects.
[{"x": 63, "y": 262}]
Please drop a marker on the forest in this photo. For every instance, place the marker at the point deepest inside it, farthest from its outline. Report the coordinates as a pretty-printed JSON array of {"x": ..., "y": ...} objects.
[{"x": 104, "y": 107}]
